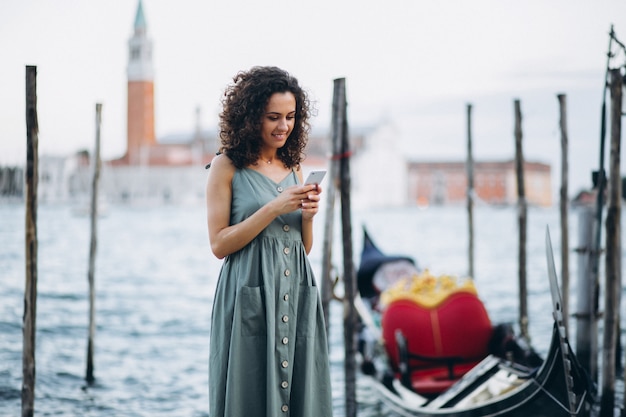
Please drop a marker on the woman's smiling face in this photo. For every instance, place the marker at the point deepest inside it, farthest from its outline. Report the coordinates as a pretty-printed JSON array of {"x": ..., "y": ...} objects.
[{"x": 278, "y": 120}]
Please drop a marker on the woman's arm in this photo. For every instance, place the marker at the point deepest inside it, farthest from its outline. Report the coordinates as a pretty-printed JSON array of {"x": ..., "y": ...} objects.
[{"x": 226, "y": 239}]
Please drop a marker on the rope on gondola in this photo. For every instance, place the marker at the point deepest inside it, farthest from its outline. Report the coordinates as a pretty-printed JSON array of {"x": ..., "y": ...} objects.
[
  {"x": 332, "y": 290},
  {"x": 339, "y": 156}
]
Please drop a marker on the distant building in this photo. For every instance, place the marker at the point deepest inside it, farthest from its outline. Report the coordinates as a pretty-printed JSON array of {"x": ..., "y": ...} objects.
[
  {"x": 170, "y": 170},
  {"x": 494, "y": 183},
  {"x": 378, "y": 169},
  {"x": 142, "y": 147},
  {"x": 64, "y": 179},
  {"x": 167, "y": 171},
  {"x": 11, "y": 183}
]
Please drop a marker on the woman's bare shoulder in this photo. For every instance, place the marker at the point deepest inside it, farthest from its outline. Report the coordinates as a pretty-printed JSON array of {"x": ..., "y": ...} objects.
[
  {"x": 222, "y": 164},
  {"x": 221, "y": 171}
]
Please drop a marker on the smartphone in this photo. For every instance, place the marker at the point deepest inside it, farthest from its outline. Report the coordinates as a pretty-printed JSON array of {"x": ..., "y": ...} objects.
[{"x": 315, "y": 177}]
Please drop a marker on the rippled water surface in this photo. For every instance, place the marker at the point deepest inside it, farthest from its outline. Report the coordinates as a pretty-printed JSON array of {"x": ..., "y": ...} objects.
[{"x": 155, "y": 277}]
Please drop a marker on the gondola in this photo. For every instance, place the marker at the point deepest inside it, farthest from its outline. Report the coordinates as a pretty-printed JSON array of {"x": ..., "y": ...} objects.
[{"x": 509, "y": 380}]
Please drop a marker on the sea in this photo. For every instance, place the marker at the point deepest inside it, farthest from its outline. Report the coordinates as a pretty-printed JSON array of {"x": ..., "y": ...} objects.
[{"x": 155, "y": 278}]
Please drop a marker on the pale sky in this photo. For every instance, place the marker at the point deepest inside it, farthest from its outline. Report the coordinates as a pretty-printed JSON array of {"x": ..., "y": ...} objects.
[{"x": 412, "y": 63}]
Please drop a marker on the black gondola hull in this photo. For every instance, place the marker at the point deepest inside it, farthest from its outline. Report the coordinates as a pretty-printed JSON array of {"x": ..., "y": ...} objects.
[
  {"x": 543, "y": 394},
  {"x": 557, "y": 387}
]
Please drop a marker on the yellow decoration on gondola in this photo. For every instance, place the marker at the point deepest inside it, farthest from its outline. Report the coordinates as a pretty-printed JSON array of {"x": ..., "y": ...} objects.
[{"x": 426, "y": 289}]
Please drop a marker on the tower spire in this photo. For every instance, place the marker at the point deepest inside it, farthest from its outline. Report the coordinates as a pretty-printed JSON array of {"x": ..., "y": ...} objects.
[{"x": 140, "y": 18}]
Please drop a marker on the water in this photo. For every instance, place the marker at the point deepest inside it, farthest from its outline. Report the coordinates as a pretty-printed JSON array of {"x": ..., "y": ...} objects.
[{"x": 155, "y": 278}]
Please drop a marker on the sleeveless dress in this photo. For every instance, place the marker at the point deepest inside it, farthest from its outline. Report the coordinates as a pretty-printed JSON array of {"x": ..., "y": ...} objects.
[{"x": 268, "y": 350}]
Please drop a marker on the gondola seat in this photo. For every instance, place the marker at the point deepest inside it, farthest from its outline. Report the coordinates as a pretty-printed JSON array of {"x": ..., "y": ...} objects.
[{"x": 432, "y": 346}]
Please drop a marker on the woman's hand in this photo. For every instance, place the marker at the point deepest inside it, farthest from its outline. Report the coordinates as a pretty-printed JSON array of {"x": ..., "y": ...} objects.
[
  {"x": 310, "y": 205},
  {"x": 305, "y": 197}
]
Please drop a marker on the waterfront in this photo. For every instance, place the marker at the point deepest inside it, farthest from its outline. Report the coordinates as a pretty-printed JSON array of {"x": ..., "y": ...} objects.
[{"x": 155, "y": 277}]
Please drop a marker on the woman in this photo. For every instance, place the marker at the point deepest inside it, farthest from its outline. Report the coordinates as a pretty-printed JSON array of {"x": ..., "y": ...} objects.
[{"x": 268, "y": 349}]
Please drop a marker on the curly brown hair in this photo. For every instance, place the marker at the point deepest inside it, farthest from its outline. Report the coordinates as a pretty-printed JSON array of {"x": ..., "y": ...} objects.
[{"x": 243, "y": 106}]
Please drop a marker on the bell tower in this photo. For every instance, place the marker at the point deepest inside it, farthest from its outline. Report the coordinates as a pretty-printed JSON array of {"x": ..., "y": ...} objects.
[{"x": 140, "y": 74}]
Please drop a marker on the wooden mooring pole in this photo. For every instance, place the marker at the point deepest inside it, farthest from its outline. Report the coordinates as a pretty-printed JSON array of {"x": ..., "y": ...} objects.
[
  {"x": 333, "y": 185},
  {"x": 470, "y": 193},
  {"x": 521, "y": 221},
  {"x": 564, "y": 208},
  {"x": 30, "y": 290},
  {"x": 350, "y": 319},
  {"x": 89, "y": 377},
  {"x": 586, "y": 324},
  {"x": 595, "y": 249},
  {"x": 613, "y": 251}
]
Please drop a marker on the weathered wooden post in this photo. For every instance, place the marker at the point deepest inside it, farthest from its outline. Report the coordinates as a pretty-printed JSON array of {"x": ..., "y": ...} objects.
[
  {"x": 92, "y": 249},
  {"x": 333, "y": 181},
  {"x": 596, "y": 245},
  {"x": 613, "y": 251},
  {"x": 327, "y": 251},
  {"x": 564, "y": 208},
  {"x": 470, "y": 192},
  {"x": 30, "y": 289},
  {"x": 521, "y": 220},
  {"x": 350, "y": 319},
  {"x": 586, "y": 324}
]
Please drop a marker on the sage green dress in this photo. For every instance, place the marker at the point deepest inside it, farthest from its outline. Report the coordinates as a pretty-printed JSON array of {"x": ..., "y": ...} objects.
[{"x": 268, "y": 351}]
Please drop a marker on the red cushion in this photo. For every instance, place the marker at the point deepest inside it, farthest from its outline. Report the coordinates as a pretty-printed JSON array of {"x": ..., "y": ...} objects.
[{"x": 457, "y": 327}]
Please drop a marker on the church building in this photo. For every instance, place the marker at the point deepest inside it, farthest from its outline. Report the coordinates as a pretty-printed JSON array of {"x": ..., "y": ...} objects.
[
  {"x": 142, "y": 147},
  {"x": 153, "y": 171}
]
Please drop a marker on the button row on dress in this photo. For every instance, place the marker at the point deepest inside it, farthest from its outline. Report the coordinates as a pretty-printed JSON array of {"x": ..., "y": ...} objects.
[{"x": 285, "y": 319}]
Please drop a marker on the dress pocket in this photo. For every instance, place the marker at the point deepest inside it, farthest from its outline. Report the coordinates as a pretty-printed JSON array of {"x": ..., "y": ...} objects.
[
  {"x": 307, "y": 311},
  {"x": 252, "y": 311}
]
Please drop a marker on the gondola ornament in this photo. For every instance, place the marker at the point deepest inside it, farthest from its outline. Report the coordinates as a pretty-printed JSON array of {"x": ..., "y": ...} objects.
[{"x": 558, "y": 318}]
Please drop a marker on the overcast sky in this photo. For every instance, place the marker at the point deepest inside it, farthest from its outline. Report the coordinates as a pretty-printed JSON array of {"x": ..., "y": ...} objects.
[{"x": 413, "y": 63}]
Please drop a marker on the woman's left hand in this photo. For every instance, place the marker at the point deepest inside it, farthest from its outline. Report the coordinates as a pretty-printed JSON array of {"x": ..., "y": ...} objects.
[{"x": 310, "y": 205}]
